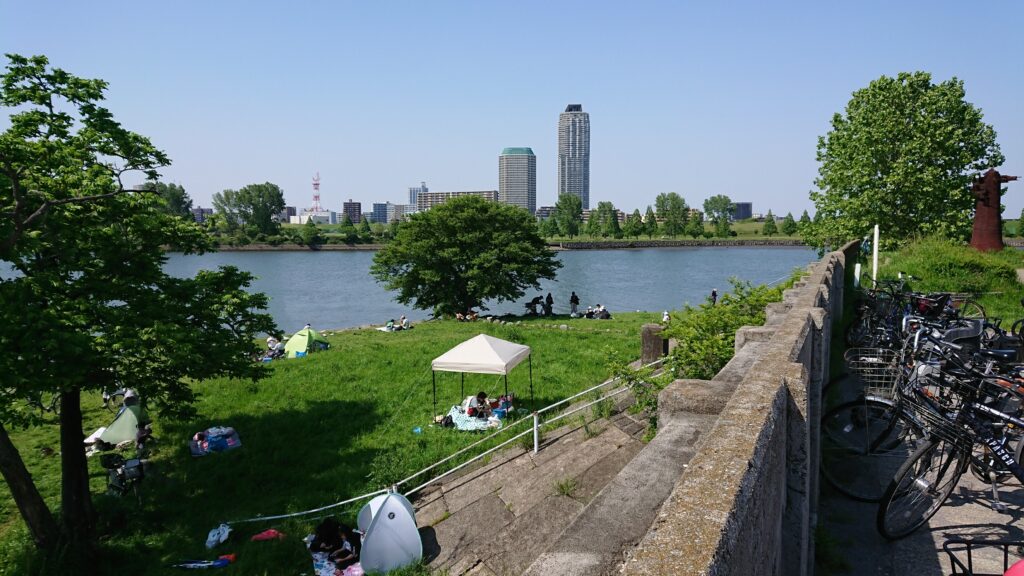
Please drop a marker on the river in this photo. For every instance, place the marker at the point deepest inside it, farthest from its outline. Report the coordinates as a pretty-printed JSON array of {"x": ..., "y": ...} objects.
[{"x": 335, "y": 290}]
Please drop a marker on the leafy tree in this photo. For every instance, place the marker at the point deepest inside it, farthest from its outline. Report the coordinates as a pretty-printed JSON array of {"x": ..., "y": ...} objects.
[
  {"x": 902, "y": 155},
  {"x": 608, "y": 220},
  {"x": 695, "y": 227},
  {"x": 92, "y": 290},
  {"x": 719, "y": 210},
  {"x": 805, "y": 219},
  {"x": 593, "y": 225},
  {"x": 311, "y": 235},
  {"x": 634, "y": 226},
  {"x": 255, "y": 205},
  {"x": 770, "y": 228},
  {"x": 548, "y": 227},
  {"x": 568, "y": 214},
  {"x": 650, "y": 223},
  {"x": 789, "y": 226},
  {"x": 456, "y": 256},
  {"x": 672, "y": 209},
  {"x": 177, "y": 200}
]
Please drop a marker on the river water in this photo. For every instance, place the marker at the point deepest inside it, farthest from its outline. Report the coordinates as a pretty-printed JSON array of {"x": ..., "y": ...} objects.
[{"x": 335, "y": 289}]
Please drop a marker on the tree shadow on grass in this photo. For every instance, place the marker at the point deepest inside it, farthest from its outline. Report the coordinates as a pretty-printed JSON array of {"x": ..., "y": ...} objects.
[{"x": 290, "y": 460}]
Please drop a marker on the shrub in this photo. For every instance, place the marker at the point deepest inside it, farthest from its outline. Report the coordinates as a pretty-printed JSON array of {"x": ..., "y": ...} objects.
[{"x": 707, "y": 333}]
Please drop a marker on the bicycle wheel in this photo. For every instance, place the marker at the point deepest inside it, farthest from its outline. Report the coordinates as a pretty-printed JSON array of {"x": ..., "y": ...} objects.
[
  {"x": 971, "y": 310},
  {"x": 113, "y": 402},
  {"x": 859, "y": 332},
  {"x": 863, "y": 444},
  {"x": 920, "y": 487}
]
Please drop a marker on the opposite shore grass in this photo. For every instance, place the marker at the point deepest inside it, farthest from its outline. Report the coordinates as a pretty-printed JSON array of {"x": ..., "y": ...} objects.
[{"x": 317, "y": 430}]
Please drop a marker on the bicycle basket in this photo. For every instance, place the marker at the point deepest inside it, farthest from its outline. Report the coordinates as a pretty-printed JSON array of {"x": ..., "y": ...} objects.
[
  {"x": 967, "y": 555},
  {"x": 934, "y": 400},
  {"x": 877, "y": 368}
]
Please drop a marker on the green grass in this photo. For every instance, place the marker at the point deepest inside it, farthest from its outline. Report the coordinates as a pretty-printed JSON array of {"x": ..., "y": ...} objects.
[
  {"x": 946, "y": 266},
  {"x": 318, "y": 430}
]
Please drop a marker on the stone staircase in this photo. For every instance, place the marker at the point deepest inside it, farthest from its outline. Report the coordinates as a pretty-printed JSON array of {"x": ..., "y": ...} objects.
[{"x": 575, "y": 508}]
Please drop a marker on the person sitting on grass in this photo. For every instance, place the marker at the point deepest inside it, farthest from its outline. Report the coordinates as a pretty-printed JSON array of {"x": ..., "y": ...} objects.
[
  {"x": 477, "y": 406},
  {"x": 331, "y": 538}
]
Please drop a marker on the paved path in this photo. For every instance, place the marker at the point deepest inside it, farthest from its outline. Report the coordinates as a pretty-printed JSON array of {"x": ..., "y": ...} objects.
[{"x": 849, "y": 543}]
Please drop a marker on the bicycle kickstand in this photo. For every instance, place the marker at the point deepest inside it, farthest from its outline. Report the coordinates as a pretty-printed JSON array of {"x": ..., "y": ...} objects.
[{"x": 997, "y": 504}]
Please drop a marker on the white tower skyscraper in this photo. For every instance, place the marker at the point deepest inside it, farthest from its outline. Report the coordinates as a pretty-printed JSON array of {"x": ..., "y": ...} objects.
[
  {"x": 574, "y": 153},
  {"x": 517, "y": 178}
]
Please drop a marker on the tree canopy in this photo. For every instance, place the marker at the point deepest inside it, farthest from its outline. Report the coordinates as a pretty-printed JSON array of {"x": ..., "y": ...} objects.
[
  {"x": 672, "y": 209},
  {"x": 650, "y": 223},
  {"x": 568, "y": 213},
  {"x": 254, "y": 206},
  {"x": 901, "y": 155},
  {"x": 463, "y": 253},
  {"x": 770, "y": 228},
  {"x": 91, "y": 289},
  {"x": 719, "y": 211},
  {"x": 177, "y": 201},
  {"x": 789, "y": 226}
]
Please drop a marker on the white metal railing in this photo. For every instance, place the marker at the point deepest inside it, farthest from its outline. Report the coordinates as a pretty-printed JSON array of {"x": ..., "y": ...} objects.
[{"x": 535, "y": 430}]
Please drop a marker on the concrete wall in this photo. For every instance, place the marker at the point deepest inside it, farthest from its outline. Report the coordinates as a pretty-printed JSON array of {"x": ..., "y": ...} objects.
[{"x": 747, "y": 501}]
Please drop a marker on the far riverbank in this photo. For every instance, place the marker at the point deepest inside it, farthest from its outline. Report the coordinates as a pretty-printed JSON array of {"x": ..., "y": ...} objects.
[{"x": 575, "y": 245}]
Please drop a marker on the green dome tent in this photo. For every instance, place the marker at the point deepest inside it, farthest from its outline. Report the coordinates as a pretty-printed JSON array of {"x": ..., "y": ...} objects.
[{"x": 305, "y": 341}]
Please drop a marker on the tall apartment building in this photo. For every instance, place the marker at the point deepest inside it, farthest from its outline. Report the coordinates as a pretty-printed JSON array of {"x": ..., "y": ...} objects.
[
  {"x": 742, "y": 210},
  {"x": 415, "y": 191},
  {"x": 428, "y": 200},
  {"x": 517, "y": 178},
  {"x": 354, "y": 211},
  {"x": 386, "y": 212},
  {"x": 574, "y": 153}
]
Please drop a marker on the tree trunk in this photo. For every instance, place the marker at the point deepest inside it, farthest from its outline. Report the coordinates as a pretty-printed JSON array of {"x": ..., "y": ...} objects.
[
  {"x": 77, "y": 515},
  {"x": 33, "y": 510}
]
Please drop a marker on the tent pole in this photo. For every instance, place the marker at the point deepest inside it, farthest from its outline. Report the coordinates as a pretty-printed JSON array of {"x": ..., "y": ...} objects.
[
  {"x": 506, "y": 384},
  {"x": 530, "y": 361},
  {"x": 463, "y": 374},
  {"x": 433, "y": 377}
]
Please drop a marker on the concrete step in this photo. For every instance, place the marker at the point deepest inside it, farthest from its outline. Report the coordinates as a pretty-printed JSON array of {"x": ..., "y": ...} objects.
[
  {"x": 499, "y": 517},
  {"x": 624, "y": 509}
]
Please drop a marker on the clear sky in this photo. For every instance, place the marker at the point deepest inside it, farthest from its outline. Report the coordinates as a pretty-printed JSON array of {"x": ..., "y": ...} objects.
[{"x": 699, "y": 98}]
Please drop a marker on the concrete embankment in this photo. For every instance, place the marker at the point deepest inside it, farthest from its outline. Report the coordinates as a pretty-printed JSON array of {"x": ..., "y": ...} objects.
[
  {"x": 626, "y": 244},
  {"x": 581, "y": 245}
]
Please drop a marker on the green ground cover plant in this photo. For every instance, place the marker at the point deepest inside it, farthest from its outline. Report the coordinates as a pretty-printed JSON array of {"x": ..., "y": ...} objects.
[
  {"x": 947, "y": 265},
  {"x": 318, "y": 430}
]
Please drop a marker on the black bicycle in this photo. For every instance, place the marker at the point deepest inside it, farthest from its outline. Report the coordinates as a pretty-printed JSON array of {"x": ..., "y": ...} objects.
[{"x": 972, "y": 424}]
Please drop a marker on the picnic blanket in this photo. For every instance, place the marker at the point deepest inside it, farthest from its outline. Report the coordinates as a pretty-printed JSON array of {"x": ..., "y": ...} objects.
[
  {"x": 463, "y": 421},
  {"x": 324, "y": 567},
  {"x": 215, "y": 439}
]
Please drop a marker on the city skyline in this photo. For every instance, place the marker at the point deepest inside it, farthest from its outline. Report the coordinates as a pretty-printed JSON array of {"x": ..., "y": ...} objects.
[{"x": 696, "y": 99}]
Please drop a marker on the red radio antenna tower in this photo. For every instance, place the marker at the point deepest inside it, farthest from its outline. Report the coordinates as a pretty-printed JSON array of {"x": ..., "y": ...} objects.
[{"x": 316, "y": 194}]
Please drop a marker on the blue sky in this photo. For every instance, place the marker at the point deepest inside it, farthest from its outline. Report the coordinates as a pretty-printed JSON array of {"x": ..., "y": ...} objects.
[{"x": 696, "y": 98}]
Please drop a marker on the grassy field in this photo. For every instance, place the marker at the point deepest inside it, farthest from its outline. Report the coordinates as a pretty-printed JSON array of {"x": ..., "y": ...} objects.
[
  {"x": 942, "y": 266},
  {"x": 318, "y": 430}
]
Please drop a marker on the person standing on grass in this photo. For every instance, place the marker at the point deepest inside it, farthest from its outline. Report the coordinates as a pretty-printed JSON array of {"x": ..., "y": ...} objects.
[
  {"x": 549, "y": 302},
  {"x": 714, "y": 296},
  {"x": 574, "y": 302}
]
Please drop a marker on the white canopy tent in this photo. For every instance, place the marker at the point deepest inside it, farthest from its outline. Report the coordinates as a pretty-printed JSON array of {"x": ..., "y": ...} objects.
[{"x": 482, "y": 354}]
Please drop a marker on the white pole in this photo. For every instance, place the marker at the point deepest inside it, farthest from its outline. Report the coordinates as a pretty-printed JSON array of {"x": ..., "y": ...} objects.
[
  {"x": 536, "y": 430},
  {"x": 874, "y": 258},
  {"x": 856, "y": 275}
]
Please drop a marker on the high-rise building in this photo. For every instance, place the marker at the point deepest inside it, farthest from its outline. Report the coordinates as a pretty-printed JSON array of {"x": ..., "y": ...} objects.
[
  {"x": 428, "y": 200},
  {"x": 354, "y": 210},
  {"x": 574, "y": 153},
  {"x": 517, "y": 178},
  {"x": 742, "y": 210},
  {"x": 415, "y": 191}
]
